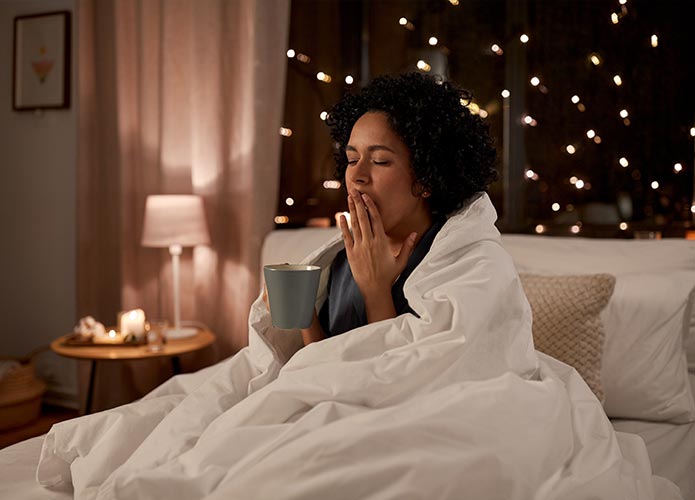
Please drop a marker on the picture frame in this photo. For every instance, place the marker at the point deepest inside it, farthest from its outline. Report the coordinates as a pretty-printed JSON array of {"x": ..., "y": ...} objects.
[{"x": 41, "y": 63}]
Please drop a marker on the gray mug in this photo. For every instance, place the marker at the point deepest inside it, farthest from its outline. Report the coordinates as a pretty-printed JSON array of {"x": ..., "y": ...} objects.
[{"x": 292, "y": 292}]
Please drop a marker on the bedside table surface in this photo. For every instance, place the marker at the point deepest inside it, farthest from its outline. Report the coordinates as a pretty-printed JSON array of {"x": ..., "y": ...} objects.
[{"x": 115, "y": 352}]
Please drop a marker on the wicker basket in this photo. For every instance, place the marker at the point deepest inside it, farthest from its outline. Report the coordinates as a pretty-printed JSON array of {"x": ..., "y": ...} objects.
[{"x": 20, "y": 396}]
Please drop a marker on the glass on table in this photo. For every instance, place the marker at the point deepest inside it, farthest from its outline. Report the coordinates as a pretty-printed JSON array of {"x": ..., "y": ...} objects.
[{"x": 156, "y": 334}]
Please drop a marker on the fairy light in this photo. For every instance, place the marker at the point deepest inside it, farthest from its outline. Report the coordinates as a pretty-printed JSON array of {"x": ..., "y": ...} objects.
[
  {"x": 614, "y": 18},
  {"x": 289, "y": 201},
  {"x": 590, "y": 133},
  {"x": 623, "y": 226},
  {"x": 581, "y": 107},
  {"x": 617, "y": 80},
  {"x": 291, "y": 53},
  {"x": 524, "y": 38},
  {"x": 530, "y": 174},
  {"x": 575, "y": 99},
  {"x": 496, "y": 49},
  {"x": 535, "y": 81},
  {"x": 331, "y": 184},
  {"x": 623, "y": 113},
  {"x": 623, "y": 162},
  {"x": 433, "y": 40},
  {"x": 579, "y": 184},
  {"x": 622, "y": 2},
  {"x": 573, "y": 180},
  {"x": 406, "y": 24},
  {"x": 597, "y": 139},
  {"x": 285, "y": 131},
  {"x": 303, "y": 58},
  {"x": 655, "y": 185},
  {"x": 505, "y": 93},
  {"x": 575, "y": 229},
  {"x": 402, "y": 21},
  {"x": 349, "y": 79},
  {"x": 540, "y": 229},
  {"x": 692, "y": 131},
  {"x": 595, "y": 59},
  {"x": 555, "y": 207},
  {"x": 528, "y": 120},
  {"x": 281, "y": 219},
  {"x": 692, "y": 208},
  {"x": 655, "y": 41},
  {"x": 677, "y": 167},
  {"x": 483, "y": 113},
  {"x": 423, "y": 66},
  {"x": 454, "y": 2},
  {"x": 325, "y": 78},
  {"x": 323, "y": 115},
  {"x": 570, "y": 149}
]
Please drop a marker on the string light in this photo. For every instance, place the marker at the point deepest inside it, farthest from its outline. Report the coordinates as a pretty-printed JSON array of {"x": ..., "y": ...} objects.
[
  {"x": 331, "y": 184},
  {"x": 575, "y": 229},
  {"x": 692, "y": 208},
  {"x": 623, "y": 226},
  {"x": 422, "y": 65},
  {"x": 406, "y": 24},
  {"x": 623, "y": 162},
  {"x": 677, "y": 167},
  {"x": 579, "y": 184},
  {"x": 590, "y": 133},
  {"x": 323, "y": 115},
  {"x": 626, "y": 122},
  {"x": 349, "y": 79},
  {"x": 285, "y": 131},
  {"x": 433, "y": 40},
  {"x": 655, "y": 41},
  {"x": 617, "y": 80},
  {"x": 496, "y": 49},
  {"x": 402, "y": 21},
  {"x": 655, "y": 185},
  {"x": 555, "y": 207},
  {"x": 281, "y": 219},
  {"x": 530, "y": 174},
  {"x": 289, "y": 201},
  {"x": 540, "y": 229},
  {"x": 622, "y": 2},
  {"x": 524, "y": 38},
  {"x": 291, "y": 53},
  {"x": 595, "y": 59},
  {"x": 528, "y": 120},
  {"x": 623, "y": 113},
  {"x": 570, "y": 149},
  {"x": 303, "y": 58},
  {"x": 454, "y": 2},
  {"x": 573, "y": 180},
  {"x": 692, "y": 131},
  {"x": 581, "y": 107},
  {"x": 575, "y": 99},
  {"x": 614, "y": 18},
  {"x": 535, "y": 81},
  {"x": 323, "y": 77},
  {"x": 483, "y": 113},
  {"x": 597, "y": 139},
  {"x": 505, "y": 93}
]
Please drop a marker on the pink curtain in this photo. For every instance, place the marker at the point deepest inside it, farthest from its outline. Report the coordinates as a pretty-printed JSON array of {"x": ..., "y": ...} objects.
[{"x": 177, "y": 96}]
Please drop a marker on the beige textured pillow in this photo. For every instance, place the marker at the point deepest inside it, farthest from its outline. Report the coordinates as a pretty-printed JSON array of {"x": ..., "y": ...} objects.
[{"x": 566, "y": 320}]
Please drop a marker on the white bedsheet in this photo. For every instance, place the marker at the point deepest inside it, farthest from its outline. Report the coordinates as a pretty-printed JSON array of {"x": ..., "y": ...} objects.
[{"x": 453, "y": 404}]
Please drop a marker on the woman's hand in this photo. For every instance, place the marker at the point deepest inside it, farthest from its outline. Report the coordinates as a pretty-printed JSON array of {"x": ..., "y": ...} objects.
[{"x": 374, "y": 266}]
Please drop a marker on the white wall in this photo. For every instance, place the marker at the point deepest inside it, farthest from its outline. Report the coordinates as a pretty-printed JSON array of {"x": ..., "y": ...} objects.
[{"x": 37, "y": 216}]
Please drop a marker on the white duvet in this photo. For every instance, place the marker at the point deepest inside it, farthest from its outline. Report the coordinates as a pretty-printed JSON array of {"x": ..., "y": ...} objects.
[{"x": 453, "y": 404}]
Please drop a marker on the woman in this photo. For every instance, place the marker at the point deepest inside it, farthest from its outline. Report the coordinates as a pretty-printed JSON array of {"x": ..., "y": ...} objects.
[{"x": 409, "y": 153}]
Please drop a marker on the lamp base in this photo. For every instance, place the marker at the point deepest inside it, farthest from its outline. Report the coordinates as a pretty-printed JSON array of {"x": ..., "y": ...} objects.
[{"x": 180, "y": 333}]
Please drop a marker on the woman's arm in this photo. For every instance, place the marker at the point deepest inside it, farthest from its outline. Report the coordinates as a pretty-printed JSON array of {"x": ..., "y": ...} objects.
[{"x": 314, "y": 333}]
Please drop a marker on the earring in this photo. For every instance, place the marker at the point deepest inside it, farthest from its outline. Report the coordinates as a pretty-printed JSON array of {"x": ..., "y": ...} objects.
[{"x": 426, "y": 194}]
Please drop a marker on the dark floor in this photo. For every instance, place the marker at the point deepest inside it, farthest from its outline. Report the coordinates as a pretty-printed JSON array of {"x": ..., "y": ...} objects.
[{"x": 49, "y": 416}]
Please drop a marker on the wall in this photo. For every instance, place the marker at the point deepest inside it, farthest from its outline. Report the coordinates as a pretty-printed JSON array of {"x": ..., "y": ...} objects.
[{"x": 37, "y": 216}]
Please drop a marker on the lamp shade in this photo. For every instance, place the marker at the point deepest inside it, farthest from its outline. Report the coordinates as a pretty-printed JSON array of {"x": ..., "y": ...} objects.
[{"x": 174, "y": 219}]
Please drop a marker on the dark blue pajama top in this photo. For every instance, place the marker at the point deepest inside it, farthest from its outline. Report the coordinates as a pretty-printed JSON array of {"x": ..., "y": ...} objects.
[{"x": 344, "y": 308}]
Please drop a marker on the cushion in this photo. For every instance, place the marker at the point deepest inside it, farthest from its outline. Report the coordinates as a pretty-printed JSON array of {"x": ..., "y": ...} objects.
[
  {"x": 645, "y": 374},
  {"x": 566, "y": 320}
]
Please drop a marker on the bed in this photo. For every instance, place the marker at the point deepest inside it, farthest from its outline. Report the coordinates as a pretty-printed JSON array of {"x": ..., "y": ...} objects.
[{"x": 648, "y": 348}]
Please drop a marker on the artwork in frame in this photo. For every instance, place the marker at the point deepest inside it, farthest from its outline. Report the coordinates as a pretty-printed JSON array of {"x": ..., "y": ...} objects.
[{"x": 41, "y": 61}]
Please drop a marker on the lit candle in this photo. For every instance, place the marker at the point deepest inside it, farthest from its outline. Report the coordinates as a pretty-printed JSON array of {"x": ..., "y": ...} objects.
[
  {"x": 132, "y": 322},
  {"x": 111, "y": 337}
]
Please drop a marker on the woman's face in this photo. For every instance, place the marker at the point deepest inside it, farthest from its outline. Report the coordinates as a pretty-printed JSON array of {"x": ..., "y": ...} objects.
[{"x": 379, "y": 165}]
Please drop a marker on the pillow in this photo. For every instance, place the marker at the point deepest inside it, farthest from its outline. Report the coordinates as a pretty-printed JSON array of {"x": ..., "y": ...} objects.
[
  {"x": 566, "y": 320},
  {"x": 645, "y": 374}
]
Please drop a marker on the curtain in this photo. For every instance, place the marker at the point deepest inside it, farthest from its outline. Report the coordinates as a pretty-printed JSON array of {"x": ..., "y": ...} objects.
[{"x": 176, "y": 96}]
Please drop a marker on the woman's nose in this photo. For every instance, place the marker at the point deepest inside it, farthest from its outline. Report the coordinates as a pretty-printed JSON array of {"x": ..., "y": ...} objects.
[{"x": 360, "y": 172}]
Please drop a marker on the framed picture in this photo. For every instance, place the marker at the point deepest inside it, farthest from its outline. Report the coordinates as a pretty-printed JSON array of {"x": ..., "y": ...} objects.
[{"x": 41, "y": 61}]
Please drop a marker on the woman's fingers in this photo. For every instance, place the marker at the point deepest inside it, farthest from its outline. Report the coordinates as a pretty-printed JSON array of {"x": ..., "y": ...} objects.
[
  {"x": 377, "y": 225},
  {"x": 356, "y": 229},
  {"x": 362, "y": 215},
  {"x": 345, "y": 230}
]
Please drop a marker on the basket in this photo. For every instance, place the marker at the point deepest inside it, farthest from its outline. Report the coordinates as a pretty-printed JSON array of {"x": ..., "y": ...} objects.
[{"x": 20, "y": 396}]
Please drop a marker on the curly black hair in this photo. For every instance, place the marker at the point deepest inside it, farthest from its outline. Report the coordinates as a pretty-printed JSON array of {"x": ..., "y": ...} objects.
[{"x": 451, "y": 151}]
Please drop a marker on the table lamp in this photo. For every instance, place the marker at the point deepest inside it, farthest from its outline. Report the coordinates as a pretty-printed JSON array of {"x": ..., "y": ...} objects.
[{"x": 175, "y": 221}]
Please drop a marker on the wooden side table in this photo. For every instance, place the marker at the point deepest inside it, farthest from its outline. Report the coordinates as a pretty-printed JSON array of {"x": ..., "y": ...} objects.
[{"x": 172, "y": 349}]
